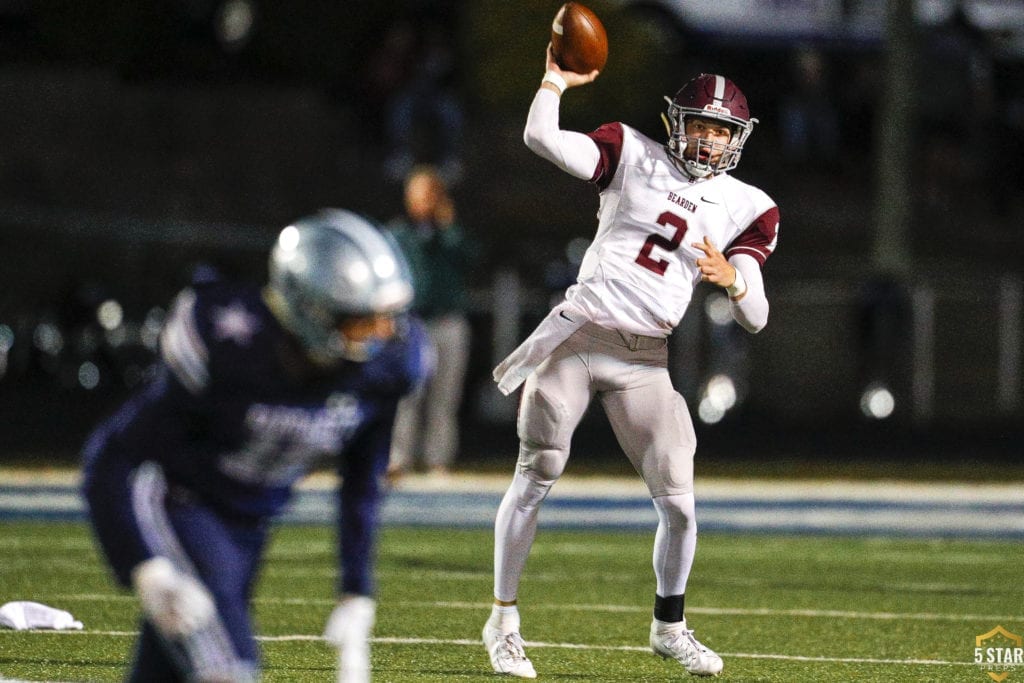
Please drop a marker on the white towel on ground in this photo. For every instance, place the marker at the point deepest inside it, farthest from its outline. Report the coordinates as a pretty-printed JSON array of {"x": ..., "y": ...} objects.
[{"x": 22, "y": 615}]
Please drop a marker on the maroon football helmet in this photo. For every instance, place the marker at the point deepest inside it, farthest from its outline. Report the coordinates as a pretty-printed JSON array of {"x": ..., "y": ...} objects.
[{"x": 715, "y": 97}]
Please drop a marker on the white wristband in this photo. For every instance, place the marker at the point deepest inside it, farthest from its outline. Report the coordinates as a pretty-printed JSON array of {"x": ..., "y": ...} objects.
[
  {"x": 738, "y": 287},
  {"x": 556, "y": 80}
]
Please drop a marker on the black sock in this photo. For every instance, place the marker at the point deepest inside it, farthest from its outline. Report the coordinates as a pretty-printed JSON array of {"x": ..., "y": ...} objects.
[{"x": 670, "y": 608}]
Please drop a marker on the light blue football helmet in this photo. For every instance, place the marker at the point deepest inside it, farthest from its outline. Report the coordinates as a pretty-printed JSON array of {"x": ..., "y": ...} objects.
[{"x": 331, "y": 266}]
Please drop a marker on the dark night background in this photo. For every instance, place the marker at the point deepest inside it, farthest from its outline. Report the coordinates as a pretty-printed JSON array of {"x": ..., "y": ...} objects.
[{"x": 139, "y": 140}]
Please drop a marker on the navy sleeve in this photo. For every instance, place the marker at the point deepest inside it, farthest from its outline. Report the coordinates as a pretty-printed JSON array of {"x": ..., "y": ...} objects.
[
  {"x": 420, "y": 358},
  {"x": 144, "y": 425},
  {"x": 406, "y": 362},
  {"x": 362, "y": 467}
]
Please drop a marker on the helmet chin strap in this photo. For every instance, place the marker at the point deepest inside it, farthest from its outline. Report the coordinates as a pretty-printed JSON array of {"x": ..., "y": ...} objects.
[
  {"x": 685, "y": 165},
  {"x": 359, "y": 351},
  {"x": 343, "y": 349},
  {"x": 696, "y": 171},
  {"x": 340, "y": 347},
  {"x": 678, "y": 159}
]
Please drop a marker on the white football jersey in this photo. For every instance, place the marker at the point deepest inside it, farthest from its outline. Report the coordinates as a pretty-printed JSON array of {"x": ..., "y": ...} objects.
[{"x": 640, "y": 270}]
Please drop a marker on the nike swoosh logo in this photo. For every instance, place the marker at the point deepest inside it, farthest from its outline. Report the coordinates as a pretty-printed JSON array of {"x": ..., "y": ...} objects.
[
  {"x": 705, "y": 199},
  {"x": 563, "y": 315}
]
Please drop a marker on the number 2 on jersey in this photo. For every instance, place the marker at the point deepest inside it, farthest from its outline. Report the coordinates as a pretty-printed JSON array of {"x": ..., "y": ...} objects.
[{"x": 655, "y": 240}]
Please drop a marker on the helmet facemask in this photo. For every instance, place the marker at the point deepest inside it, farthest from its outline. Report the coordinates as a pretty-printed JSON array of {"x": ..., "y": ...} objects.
[
  {"x": 369, "y": 342},
  {"x": 320, "y": 332},
  {"x": 701, "y": 165}
]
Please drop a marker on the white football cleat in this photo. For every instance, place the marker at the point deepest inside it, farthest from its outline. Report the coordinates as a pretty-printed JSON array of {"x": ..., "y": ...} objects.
[
  {"x": 507, "y": 653},
  {"x": 680, "y": 645}
]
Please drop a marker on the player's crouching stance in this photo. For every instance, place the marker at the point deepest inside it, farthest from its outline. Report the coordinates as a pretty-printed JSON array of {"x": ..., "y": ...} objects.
[
  {"x": 254, "y": 388},
  {"x": 665, "y": 213}
]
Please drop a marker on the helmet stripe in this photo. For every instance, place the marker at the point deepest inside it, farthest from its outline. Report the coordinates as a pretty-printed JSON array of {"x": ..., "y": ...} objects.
[{"x": 719, "y": 89}]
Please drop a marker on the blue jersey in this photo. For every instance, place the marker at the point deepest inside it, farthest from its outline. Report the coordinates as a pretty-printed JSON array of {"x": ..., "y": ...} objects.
[{"x": 236, "y": 414}]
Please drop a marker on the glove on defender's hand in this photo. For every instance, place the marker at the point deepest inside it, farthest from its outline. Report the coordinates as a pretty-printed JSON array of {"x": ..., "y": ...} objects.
[
  {"x": 176, "y": 603},
  {"x": 348, "y": 629}
]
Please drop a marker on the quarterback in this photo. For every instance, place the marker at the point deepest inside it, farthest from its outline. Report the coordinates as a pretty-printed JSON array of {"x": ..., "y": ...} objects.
[
  {"x": 255, "y": 387},
  {"x": 670, "y": 216}
]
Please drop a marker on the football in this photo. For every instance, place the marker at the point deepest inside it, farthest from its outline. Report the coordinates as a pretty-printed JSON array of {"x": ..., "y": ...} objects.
[{"x": 578, "y": 39}]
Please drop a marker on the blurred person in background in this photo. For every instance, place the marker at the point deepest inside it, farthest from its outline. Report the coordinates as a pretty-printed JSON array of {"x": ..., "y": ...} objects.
[
  {"x": 424, "y": 115},
  {"x": 956, "y": 67},
  {"x": 254, "y": 388},
  {"x": 808, "y": 117},
  {"x": 670, "y": 217},
  {"x": 440, "y": 255}
]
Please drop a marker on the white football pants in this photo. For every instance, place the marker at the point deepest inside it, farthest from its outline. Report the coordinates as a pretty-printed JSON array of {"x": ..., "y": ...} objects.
[{"x": 628, "y": 373}]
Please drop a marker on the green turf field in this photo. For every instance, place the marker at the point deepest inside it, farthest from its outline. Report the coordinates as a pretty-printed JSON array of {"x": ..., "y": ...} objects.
[{"x": 778, "y": 608}]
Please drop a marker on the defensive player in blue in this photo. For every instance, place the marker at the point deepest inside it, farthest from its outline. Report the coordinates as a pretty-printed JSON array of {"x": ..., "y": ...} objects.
[{"x": 255, "y": 387}]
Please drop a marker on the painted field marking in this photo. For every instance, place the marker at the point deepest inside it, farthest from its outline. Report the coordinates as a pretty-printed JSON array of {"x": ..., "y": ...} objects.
[
  {"x": 389, "y": 640},
  {"x": 622, "y": 609},
  {"x": 467, "y": 501}
]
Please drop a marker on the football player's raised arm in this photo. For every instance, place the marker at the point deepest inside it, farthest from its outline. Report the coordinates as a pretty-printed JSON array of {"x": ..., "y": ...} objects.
[{"x": 574, "y": 153}]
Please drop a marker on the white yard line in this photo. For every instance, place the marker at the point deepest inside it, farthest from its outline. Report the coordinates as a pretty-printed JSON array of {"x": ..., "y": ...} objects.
[
  {"x": 388, "y": 640},
  {"x": 627, "y": 609}
]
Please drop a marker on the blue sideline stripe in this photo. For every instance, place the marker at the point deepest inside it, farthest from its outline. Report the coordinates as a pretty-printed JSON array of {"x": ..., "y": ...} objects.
[
  {"x": 794, "y": 503},
  {"x": 951, "y": 519}
]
